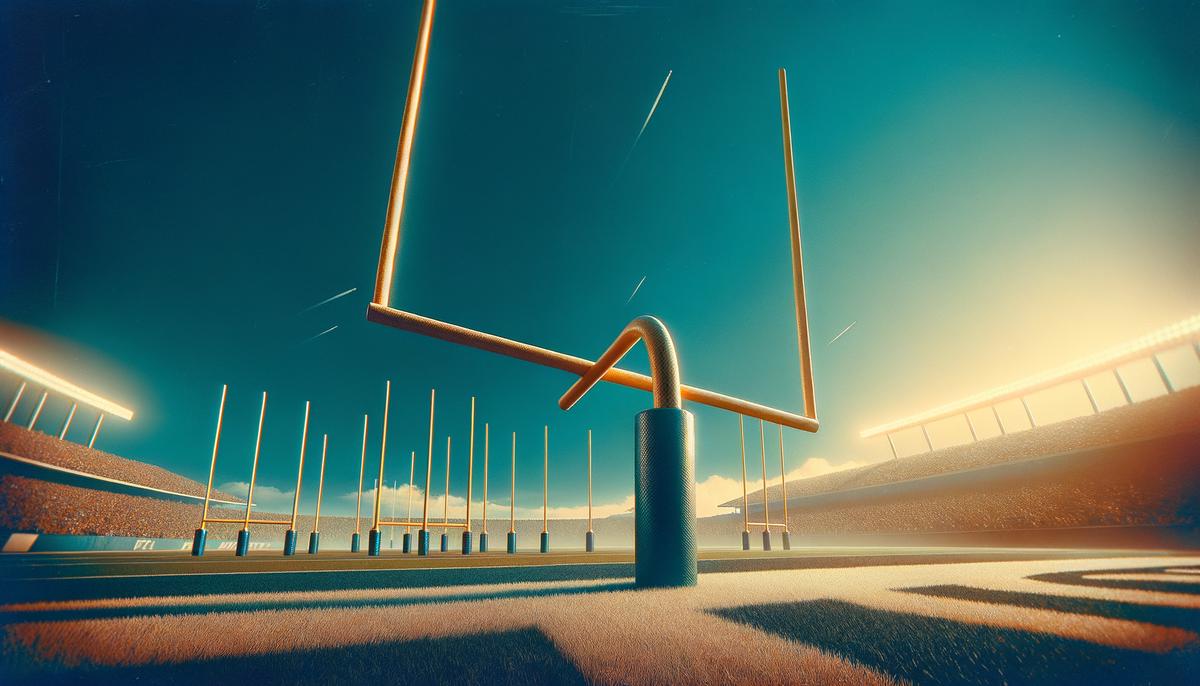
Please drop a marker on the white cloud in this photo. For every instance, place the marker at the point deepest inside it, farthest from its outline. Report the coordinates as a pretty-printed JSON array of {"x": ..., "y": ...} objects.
[
  {"x": 710, "y": 493},
  {"x": 266, "y": 498},
  {"x": 716, "y": 489}
]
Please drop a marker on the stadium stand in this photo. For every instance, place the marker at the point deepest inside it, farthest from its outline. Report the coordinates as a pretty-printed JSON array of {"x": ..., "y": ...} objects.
[
  {"x": 1162, "y": 416},
  {"x": 34, "y": 445}
]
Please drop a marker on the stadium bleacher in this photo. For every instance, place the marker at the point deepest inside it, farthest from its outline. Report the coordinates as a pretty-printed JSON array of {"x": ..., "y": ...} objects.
[
  {"x": 1162, "y": 416},
  {"x": 34, "y": 445}
]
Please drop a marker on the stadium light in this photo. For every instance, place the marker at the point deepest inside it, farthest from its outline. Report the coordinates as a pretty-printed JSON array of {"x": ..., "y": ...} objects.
[
  {"x": 51, "y": 382},
  {"x": 1167, "y": 337}
]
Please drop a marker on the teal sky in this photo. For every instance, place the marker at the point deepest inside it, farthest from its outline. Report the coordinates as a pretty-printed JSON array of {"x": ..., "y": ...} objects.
[{"x": 986, "y": 189}]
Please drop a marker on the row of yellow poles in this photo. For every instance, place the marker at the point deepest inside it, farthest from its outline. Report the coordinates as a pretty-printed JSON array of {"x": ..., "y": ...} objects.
[
  {"x": 289, "y": 545},
  {"x": 766, "y": 523},
  {"x": 243, "y": 544}
]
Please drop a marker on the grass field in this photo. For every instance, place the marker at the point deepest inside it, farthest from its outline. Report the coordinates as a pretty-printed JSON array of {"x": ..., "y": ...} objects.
[{"x": 827, "y": 615}]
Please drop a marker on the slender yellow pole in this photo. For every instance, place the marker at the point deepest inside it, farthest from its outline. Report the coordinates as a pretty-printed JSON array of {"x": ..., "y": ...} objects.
[
  {"x": 745, "y": 498},
  {"x": 512, "y": 508},
  {"x": 412, "y": 471},
  {"x": 300, "y": 471},
  {"x": 446, "y": 497},
  {"x": 783, "y": 478},
  {"x": 321, "y": 483},
  {"x": 589, "y": 480},
  {"x": 212, "y": 467},
  {"x": 545, "y": 478},
  {"x": 428, "y": 462},
  {"x": 362, "y": 465},
  {"x": 806, "y": 371},
  {"x": 485, "y": 475},
  {"x": 762, "y": 443},
  {"x": 387, "y": 403},
  {"x": 471, "y": 464},
  {"x": 262, "y": 413},
  {"x": 408, "y": 131}
]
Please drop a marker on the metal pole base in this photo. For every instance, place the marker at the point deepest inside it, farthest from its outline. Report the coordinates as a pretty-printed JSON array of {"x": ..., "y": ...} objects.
[
  {"x": 445, "y": 542},
  {"x": 422, "y": 542},
  {"x": 289, "y": 542},
  {"x": 198, "y": 542},
  {"x": 766, "y": 540},
  {"x": 466, "y": 546},
  {"x": 314, "y": 543},
  {"x": 512, "y": 542},
  {"x": 787, "y": 541},
  {"x": 406, "y": 543},
  {"x": 590, "y": 542},
  {"x": 545, "y": 541},
  {"x": 355, "y": 543},
  {"x": 374, "y": 539},
  {"x": 483, "y": 542},
  {"x": 665, "y": 493},
  {"x": 243, "y": 543},
  {"x": 745, "y": 540}
]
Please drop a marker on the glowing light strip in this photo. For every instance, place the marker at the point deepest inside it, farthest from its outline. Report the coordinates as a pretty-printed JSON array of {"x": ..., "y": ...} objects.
[
  {"x": 1166, "y": 337},
  {"x": 56, "y": 384}
]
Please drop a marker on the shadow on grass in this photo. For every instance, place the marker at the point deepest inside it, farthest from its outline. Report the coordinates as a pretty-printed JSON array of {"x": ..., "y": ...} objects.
[
  {"x": 1183, "y": 618},
  {"x": 1078, "y": 579},
  {"x": 928, "y": 650},
  {"x": 523, "y": 656},
  {"x": 280, "y": 582},
  {"x": 299, "y": 604}
]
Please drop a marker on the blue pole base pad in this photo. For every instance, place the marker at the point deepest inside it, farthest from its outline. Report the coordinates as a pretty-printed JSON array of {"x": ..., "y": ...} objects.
[
  {"x": 665, "y": 493},
  {"x": 466, "y": 543},
  {"x": 512, "y": 542},
  {"x": 589, "y": 542},
  {"x": 198, "y": 542},
  {"x": 422, "y": 542},
  {"x": 545, "y": 541},
  {"x": 766, "y": 540},
  {"x": 445, "y": 542},
  {"x": 314, "y": 543},
  {"x": 243, "y": 543},
  {"x": 355, "y": 543},
  {"x": 289, "y": 543},
  {"x": 406, "y": 543},
  {"x": 374, "y": 539},
  {"x": 745, "y": 540},
  {"x": 787, "y": 541},
  {"x": 483, "y": 542}
]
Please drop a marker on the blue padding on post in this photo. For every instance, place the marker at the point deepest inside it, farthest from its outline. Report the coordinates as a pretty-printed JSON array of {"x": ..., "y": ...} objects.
[
  {"x": 767, "y": 540},
  {"x": 466, "y": 543},
  {"x": 664, "y": 490},
  {"x": 422, "y": 542},
  {"x": 355, "y": 542},
  {"x": 787, "y": 541},
  {"x": 745, "y": 540},
  {"x": 512, "y": 542},
  {"x": 589, "y": 542},
  {"x": 289, "y": 543},
  {"x": 243, "y": 542},
  {"x": 445, "y": 542},
  {"x": 198, "y": 542},
  {"x": 545, "y": 541},
  {"x": 483, "y": 542},
  {"x": 406, "y": 543},
  {"x": 374, "y": 539},
  {"x": 314, "y": 543}
]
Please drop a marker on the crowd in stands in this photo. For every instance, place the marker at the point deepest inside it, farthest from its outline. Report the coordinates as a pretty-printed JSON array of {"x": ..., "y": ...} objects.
[
  {"x": 38, "y": 446},
  {"x": 1161, "y": 416}
]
